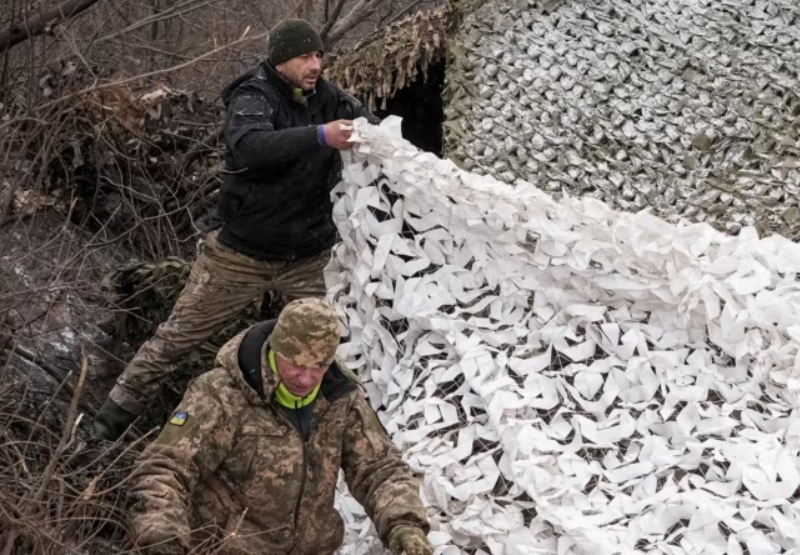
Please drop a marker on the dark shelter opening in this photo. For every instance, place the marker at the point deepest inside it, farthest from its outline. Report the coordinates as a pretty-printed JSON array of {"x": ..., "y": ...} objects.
[{"x": 420, "y": 105}]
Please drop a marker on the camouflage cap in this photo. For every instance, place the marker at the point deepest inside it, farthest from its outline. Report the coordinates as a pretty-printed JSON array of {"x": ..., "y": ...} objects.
[{"x": 307, "y": 333}]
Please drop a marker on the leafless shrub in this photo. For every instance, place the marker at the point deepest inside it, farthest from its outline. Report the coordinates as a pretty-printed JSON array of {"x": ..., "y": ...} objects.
[{"x": 58, "y": 494}]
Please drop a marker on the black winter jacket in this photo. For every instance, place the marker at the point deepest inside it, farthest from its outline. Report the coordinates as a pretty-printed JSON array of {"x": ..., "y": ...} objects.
[{"x": 275, "y": 200}]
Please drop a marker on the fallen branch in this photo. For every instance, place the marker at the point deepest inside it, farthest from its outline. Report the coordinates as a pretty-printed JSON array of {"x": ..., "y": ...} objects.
[{"x": 58, "y": 375}]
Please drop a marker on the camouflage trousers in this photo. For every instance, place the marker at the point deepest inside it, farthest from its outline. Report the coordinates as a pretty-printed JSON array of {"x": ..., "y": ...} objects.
[{"x": 221, "y": 284}]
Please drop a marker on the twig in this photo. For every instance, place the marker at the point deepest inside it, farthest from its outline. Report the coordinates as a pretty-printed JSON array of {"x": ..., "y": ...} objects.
[
  {"x": 53, "y": 397},
  {"x": 77, "y": 52},
  {"x": 90, "y": 489},
  {"x": 169, "y": 13},
  {"x": 206, "y": 146},
  {"x": 171, "y": 69},
  {"x": 149, "y": 48},
  {"x": 47, "y": 476},
  {"x": 68, "y": 431}
]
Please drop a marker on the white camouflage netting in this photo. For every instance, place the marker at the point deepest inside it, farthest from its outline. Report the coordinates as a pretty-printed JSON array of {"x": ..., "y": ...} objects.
[
  {"x": 687, "y": 106},
  {"x": 569, "y": 379}
]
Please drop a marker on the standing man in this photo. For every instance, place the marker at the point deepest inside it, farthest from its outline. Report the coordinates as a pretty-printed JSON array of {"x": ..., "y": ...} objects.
[
  {"x": 250, "y": 461},
  {"x": 283, "y": 131}
]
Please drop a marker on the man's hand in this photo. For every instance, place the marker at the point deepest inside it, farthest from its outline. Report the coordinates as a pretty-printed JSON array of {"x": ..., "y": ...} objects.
[
  {"x": 409, "y": 540},
  {"x": 172, "y": 547},
  {"x": 336, "y": 137}
]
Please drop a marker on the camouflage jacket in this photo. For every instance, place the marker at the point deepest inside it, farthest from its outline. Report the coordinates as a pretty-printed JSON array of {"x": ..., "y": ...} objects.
[{"x": 231, "y": 468}]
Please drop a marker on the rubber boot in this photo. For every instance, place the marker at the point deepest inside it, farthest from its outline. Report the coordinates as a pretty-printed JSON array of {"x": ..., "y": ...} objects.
[{"x": 111, "y": 421}]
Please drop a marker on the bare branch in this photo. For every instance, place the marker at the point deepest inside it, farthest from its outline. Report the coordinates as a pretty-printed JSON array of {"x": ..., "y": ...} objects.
[
  {"x": 141, "y": 76},
  {"x": 334, "y": 17},
  {"x": 174, "y": 11},
  {"x": 43, "y": 22},
  {"x": 360, "y": 12}
]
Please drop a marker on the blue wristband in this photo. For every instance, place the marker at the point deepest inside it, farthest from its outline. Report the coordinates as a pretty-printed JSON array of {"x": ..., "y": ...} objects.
[{"x": 322, "y": 135}]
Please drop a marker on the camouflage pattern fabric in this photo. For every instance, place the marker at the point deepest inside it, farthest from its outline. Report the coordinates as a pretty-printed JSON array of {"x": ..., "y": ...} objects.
[
  {"x": 221, "y": 284},
  {"x": 307, "y": 333},
  {"x": 231, "y": 473}
]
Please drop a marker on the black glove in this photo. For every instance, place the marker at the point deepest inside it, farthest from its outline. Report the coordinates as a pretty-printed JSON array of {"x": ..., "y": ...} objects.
[{"x": 111, "y": 421}]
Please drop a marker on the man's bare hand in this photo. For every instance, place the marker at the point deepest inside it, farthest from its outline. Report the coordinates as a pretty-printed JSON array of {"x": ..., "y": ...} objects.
[{"x": 336, "y": 137}]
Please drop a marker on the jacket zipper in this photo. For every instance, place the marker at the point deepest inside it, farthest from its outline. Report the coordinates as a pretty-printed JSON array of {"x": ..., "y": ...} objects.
[
  {"x": 305, "y": 466},
  {"x": 305, "y": 469}
]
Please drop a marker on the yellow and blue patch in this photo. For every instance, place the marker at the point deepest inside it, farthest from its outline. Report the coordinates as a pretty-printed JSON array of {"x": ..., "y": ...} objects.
[{"x": 179, "y": 418}]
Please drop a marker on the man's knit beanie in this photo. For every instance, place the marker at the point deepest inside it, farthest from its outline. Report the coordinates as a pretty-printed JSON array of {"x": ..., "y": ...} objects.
[{"x": 291, "y": 38}]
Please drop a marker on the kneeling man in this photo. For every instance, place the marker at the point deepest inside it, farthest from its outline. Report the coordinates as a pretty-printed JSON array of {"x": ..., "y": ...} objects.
[{"x": 248, "y": 464}]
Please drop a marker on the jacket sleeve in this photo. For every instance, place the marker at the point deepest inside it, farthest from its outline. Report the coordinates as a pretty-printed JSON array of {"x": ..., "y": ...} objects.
[
  {"x": 251, "y": 135},
  {"x": 376, "y": 475},
  {"x": 169, "y": 468}
]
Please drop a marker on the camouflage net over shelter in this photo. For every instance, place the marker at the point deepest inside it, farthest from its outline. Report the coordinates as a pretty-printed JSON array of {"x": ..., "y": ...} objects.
[
  {"x": 688, "y": 109},
  {"x": 386, "y": 62}
]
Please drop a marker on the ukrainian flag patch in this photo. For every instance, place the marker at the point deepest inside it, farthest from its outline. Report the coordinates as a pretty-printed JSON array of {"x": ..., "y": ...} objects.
[{"x": 179, "y": 418}]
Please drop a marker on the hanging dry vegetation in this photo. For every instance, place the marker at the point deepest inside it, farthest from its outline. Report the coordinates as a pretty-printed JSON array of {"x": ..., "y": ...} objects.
[{"x": 391, "y": 59}]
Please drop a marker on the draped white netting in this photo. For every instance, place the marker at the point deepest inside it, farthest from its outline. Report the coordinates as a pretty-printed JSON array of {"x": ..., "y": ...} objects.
[{"x": 568, "y": 378}]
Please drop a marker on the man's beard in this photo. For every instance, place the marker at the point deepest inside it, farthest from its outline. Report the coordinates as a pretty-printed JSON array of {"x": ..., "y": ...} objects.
[
  {"x": 297, "y": 82},
  {"x": 315, "y": 78}
]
